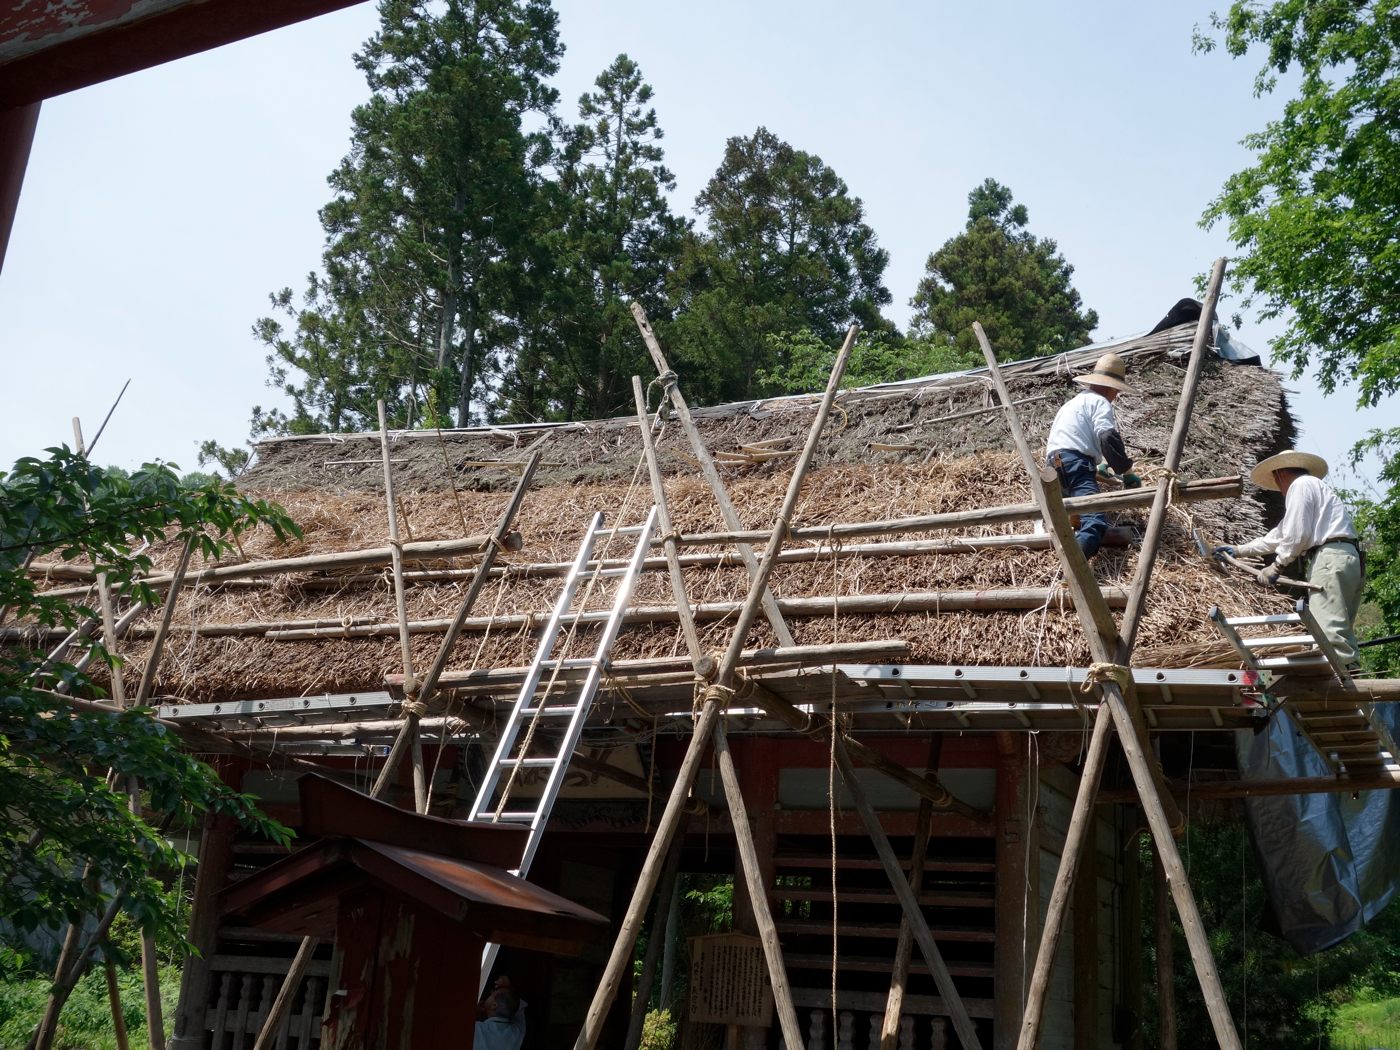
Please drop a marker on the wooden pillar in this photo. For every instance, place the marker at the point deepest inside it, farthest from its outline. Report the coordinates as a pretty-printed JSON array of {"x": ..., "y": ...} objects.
[
  {"x": 1086, "y": 944},
  {"x": 756, "y": 760},
  {"x": 16, "y": 137},
  {"x": 1166, "y": 990},
  {"x": 1017, "y": 886},
  {"x": 1131, "y": 946},
  {"x": 215, "y": 860}
]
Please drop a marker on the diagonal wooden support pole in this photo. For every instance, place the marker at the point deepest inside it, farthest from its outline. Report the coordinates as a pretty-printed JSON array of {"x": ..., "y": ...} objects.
[
  {"x": 899, "y": 978},
  {"x": 707, "y": 467},
  {"x": 1080, "y": 820},
  {"x": 723, "y": 688},
  {"x": 1104, "y": 645},
  {"x": 913, "y": 914}
]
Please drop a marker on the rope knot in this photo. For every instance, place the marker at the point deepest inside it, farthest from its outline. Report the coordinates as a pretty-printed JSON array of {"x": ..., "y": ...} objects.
[
  {"x": 1099, "y": 673},
  {"x": 721, "y": 694},
  {"x": 414, "y": 707}
]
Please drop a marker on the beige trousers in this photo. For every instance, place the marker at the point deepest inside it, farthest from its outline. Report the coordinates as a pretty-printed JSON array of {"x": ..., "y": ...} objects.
[{"x": 1336, "y": 568}]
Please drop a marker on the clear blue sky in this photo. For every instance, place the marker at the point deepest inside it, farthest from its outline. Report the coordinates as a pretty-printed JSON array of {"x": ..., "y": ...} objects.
[{"x": 159, "y": 210}]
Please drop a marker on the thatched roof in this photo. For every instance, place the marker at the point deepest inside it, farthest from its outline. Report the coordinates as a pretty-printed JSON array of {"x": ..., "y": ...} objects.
[{"x": 904, "y": 449}]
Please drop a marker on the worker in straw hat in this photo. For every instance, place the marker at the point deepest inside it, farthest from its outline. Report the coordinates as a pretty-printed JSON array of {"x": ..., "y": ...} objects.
[
  {"x": 1317, "y": 525},
  {"x": 1084, "y": 434}
]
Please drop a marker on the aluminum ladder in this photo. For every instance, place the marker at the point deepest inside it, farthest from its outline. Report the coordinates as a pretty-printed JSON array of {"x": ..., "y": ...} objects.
[
  {"x": 1346, "y": 732},
  {"x": 563, "y": 720}
]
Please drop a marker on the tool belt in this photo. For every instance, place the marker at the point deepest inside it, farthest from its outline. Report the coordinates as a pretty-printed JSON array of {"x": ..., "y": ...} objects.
[{"x": 1310, "y": 555}]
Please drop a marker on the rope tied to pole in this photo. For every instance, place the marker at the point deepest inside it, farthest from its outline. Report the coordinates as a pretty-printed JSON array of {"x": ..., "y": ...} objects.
[
  {"x": 414, "y": 707},
  {"x": 1100, "y": 673},
  {"x": 720, "y": 694}
]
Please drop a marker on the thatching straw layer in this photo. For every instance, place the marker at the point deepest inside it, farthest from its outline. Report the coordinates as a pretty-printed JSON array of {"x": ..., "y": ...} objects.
[{"x": 954, "y": 465}]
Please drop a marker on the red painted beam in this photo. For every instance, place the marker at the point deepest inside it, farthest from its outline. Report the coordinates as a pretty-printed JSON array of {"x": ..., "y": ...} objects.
[{"x": 47, "y": 49}]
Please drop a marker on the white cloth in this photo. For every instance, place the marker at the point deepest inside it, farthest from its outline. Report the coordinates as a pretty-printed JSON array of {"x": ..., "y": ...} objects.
[
  {"x": 1079, "y": 424},
  {"x": 1312, "y": 514},
  {"x": 499, "y": 1033}
]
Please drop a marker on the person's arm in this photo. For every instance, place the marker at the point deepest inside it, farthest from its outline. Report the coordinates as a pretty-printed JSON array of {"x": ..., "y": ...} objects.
[
  {"x": 1300, "y": 509},
  {"x": 1110, "y": 441}
]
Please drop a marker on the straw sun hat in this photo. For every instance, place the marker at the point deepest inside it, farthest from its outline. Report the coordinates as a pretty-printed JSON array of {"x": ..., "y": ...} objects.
[
  {"x": 1263, "y": 474},
  {"x": 1109, "y": 371}
]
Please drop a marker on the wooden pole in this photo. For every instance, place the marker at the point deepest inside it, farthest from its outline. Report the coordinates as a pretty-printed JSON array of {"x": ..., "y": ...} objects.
[
  {"x": 913, "y": 914},
  {"x": 707, "y": 465},
  {"x": 267, "y": 1036},
  {"x": 1081, "y": 819},
  {"x": 1166, "y": 989},
  {"x": 894, "y": 1003},
  {"x": 703, "y": 665},
  {"x": 621, "y": 957},
  {"x": 1094, "y": 614},
  {"x": 656, "y": 938},
  {"x": 114, "y": 1000},
  {"x": 758, "y": 893},
  {"x": 148, "y": 677}
]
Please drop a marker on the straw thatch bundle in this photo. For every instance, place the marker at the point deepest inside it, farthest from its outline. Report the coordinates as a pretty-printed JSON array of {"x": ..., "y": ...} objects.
[{"x": 924, "y": 462}]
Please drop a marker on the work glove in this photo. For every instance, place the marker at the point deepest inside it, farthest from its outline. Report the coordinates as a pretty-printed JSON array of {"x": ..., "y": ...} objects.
[
  {"x": 1226, "y": 549},
  {"x": 1104, "y": 472},
  {"x": 1131, "y": 481},
  {"x": 1268, "y": 575}
]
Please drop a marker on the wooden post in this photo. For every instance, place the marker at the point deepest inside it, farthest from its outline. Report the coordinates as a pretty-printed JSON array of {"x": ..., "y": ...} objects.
[
  {"x": 913, "y": 914},
  {"x": 215, "y": 859},
  {"x": 1130, "y": 942},
  {"x": 758, "y": 893},
  {"x": 656, "y": 944},
  {"x": 1104, "y": 645},
  {"x": 703, "y": 665},
  {"x": 894, "y": 1003},
  {"x": 707, "y": 466},
  {"x": 114, "y": 1000},
  {"x": 1017, "y": 883},
  {"x": 1166, "y": 990},
  {"x": 621, "y": 957},
  {"x": 148, "y": 677},
  {"x": 268, "y": 1034},
  {"x": 627, "y": 935},
  {"x": 1086, "y": 948}
]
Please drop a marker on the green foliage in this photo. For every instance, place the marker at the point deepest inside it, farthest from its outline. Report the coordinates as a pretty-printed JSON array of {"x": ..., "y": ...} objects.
[
  {"x": 232, "y": 461},
  {"x": 1314, "y": 218},
  {"x": 1287, "y": 1000},
  {"x": 87, "y": 1018},
  {"x": 801, "y": 363},
  {"x": 710, "y": 900},
  {"x": 429, "y": 255},
  {"x": 610, "y": 239},
  {"x": 787, "y": 249},
  {"x": 1379, "y": 523},
  {"x": 998, "y": 273},
  {"x": 70, "y": 845},
  {"x": 658, "y": 1031}
]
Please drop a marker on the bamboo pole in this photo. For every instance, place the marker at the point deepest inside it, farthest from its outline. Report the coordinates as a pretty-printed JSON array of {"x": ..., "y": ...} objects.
[
  {"x": 114, "y": 1000},
  {"x": 1008, "y": 599},
  {"x": 1081, "y": 820},
  {"x": 421, "y": 550},
  {"x": 148, "y": 677},
  {"x": 655, "y": 946},
  {"x": 621, "y": 957},
  {"x": 709, "y": 712},
  {"x": 703, "y": 665},
  {"x": 758, "y": 892},
  {"x": 913, "y": 914},
  {"x": 894, "y": 1002},
  {"x": 707, "y": 465},
  {"x": 1162, "y": 925}
]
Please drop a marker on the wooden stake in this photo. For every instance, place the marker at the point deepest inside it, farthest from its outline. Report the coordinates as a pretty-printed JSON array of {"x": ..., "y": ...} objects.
[
  {"x": 913, "y": 914},
  {"x": 703, "y": 664},
  {"x": 656, "y": 937},
  {"x": 1104, "y": 645},
  {"x": 1166, "y": 989},
  {"x": 148, "y": 678},
  {"x": 758, "y": 893},
  {"x": 894, "y": 1004},
  {"x": 707, "y": 465},
  {"x": 621, "y": 957},
  {"x": 114, "y": 1000}
]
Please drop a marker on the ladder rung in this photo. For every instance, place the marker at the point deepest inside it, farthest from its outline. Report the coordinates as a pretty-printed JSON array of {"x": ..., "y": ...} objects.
[
  {"x": 1255, "y": 621},
  {"x": 1308, "y": 660},
  {"x": 548, "y": 712},
  {"x": 609, "y": 573},
  {"x": 527, "y": 763},
  {"x": 573, "y": 663},
  {"x": 1283, "y": 639},
  {"x": 518, "y": 816}
]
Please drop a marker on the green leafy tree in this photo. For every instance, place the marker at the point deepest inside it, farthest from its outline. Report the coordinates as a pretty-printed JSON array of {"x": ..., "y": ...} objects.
[
  {"x": 427, "y": 237},
  {"x": 997, "y": 272},
  {"x": 70, "y": 847},
  {"x": 878, "y": 357},
  {"x": 611, "y": 239},
  {"x": 1314, "y": 219},
  {"x": 785, "y": 248}
]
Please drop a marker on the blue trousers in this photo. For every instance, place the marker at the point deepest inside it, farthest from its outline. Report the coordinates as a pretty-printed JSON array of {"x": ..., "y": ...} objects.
[{"x": 1079, "y": 477}]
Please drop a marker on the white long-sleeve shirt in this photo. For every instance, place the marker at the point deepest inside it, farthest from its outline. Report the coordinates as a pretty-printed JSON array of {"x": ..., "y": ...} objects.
[
  {"x": 1081, "y": 424},
  {"x": 1312, "y": 514}
]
